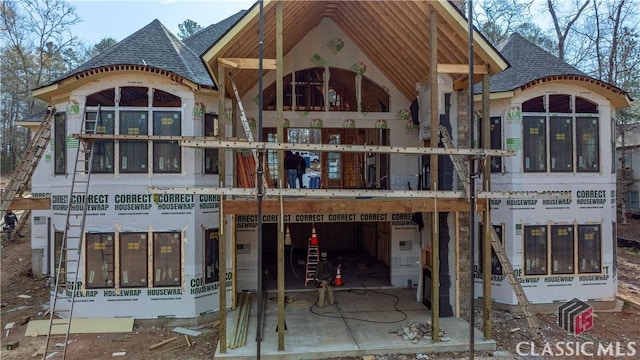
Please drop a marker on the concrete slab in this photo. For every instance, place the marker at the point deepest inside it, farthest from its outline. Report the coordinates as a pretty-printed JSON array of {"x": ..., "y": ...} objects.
[{"x": 362, "y": 322}]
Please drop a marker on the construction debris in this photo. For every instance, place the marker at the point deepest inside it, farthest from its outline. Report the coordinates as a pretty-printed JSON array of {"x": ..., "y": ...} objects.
[
  {"x": 414, "y": 332},
  {"x": 183, "y": 331},
  {"x": 163, "y": 343}
]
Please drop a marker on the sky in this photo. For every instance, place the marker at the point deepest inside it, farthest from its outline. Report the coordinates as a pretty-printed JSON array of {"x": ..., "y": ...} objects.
[{"x": 121, "y": 18}]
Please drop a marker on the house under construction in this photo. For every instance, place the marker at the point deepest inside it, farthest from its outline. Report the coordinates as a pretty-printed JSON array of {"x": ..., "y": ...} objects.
[{"x": 164, "y": 179}]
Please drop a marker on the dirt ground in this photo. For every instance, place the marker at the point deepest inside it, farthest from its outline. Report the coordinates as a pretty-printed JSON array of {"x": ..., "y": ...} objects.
[{"x": 508, "y": 328}]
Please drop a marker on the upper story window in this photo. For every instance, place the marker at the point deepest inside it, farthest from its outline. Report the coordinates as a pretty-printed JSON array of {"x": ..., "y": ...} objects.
[
  {"x": 315, "y": 89},
  {"x": 560, "y": 133},
  {"x": 60, "y": 143},
  {"x": 135, "y": 110}
]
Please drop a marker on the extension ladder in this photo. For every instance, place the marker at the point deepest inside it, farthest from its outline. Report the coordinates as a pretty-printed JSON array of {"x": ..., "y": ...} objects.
[
  {"x": 515, "y": 284},
  {"x": 458, "y": 163},
  {"x": 313, "y": 258},
  {"x": 70, "y": 249},
  {"x": 32, "y": 155},
  {"x": 248, "y": 133},
  {"x": 463, "y": 174}
]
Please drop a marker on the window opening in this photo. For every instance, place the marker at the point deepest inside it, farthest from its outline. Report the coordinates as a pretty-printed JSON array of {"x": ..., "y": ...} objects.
[
  {"x": 167, "y": 155},
  {"x": 535, "y": 250},
  {"x": 133, "y": 259},
  {"x": 588, "y": 144},
  {"x": 103, "y": 155},
  {"x": 134, "y": 96},
  {"x": 210, "y": 154},
  {"x": 100, "y": 260},
  {"x": 561, "y": 144},
  {"x": 60, "y": 144},
  {"x": 562, "y": 249},
  {"x": 133, "y": 154},
  {"x": 167, "y": 269},
  {"x": 534, "y": 144},
  {"x": 211, "y": 256},
  {"x": 589, "y": 249}
]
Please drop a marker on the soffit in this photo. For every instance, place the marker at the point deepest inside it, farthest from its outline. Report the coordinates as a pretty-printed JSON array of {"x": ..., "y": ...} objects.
[{"x": 394, "y": 35}]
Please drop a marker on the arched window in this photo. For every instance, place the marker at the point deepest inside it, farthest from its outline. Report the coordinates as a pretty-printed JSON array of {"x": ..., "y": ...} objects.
[
  {"x": 308, "y": 90},
  {"x": 135, "y": 110},
  {"x": 560, "y": 133}
]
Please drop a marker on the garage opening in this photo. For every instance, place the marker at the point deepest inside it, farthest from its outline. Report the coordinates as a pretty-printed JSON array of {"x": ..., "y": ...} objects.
[{"x": 362, "y": 249}]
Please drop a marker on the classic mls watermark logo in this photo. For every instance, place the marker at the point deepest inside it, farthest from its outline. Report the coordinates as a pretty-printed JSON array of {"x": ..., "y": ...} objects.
[{"x": 575, "y": 316}]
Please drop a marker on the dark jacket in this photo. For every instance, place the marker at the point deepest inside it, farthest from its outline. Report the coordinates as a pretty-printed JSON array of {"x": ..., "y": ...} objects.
[
  {"x": 10, "y": 220},
  {"x": 302, "y": 165},
  {"x": 324, "y": 270},
  {"x": 290, "y": 161}
]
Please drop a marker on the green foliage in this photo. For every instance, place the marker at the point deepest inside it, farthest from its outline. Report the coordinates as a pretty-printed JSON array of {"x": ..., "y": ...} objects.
[{"x": 188, "y": 28}]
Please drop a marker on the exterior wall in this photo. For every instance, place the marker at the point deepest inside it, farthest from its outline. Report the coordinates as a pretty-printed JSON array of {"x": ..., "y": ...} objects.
[
  {"x": 188, "y": 215},
  {"x": 312, "y": 51},
  {"x": 593, "y": 201}
]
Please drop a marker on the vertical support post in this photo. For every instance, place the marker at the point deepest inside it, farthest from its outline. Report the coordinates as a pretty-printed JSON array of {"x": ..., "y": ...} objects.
[
  {"x": 434, "y": 140},
  {"x": 260, "y": 186},
  {"x": 472, "y": 188},
  {"x": 486, "y": 186},
  {"x": 456, "y": 222},
  {"x": 222, "y": 259},
  {"x": 234, "y": 261},
  {"x": 279, "y": 105}
]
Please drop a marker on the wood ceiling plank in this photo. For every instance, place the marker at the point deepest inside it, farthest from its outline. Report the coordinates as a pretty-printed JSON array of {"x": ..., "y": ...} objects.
[{"x": 358, "y": 28}]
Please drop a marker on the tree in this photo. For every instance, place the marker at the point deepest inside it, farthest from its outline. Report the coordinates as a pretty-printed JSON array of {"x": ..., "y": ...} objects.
[
  {"x": 36, "y": 48},
  {"x": 101, "y": 46},
  {"x": 563, "y": 24},
  {"x": 188, "y": 28}
]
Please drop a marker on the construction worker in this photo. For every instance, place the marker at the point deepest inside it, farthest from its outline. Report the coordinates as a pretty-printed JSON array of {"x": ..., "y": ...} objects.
[
  {"x": 10, "y": 222},
  {"x": 324, "y": 279}
]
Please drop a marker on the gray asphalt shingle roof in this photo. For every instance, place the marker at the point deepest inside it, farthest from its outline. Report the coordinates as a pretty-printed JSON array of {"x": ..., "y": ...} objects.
[
  {"x": 202, "y": 41},
  {"x": 528, "y": 62},
  {"x": 153, "y": 45}
]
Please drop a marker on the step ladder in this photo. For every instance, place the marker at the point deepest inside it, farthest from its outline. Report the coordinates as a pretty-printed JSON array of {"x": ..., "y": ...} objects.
[
  {"x": 68, "y": 264},
  {"x": 313, "y": 258},
  {"x": 458, "y": 163},
  {"x": 22, "y": 175},
  {"x": 515, "y": 284}
]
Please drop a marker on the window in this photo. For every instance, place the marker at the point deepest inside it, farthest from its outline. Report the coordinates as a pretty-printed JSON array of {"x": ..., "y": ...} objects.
[
  {"x": 60, "y": 144},
  {"x": 535, "y": 250},
  {"x": 133, "y": 260},
  {"x": 495, "y": 123},
  {"x": 568, "y": 118},
  {"x": 99, "y": 263},
  {"x": 167, "y": 269},
  {"x": 58, "y": 238},
  {"x": 334, "y": 170},
  {"x": 562, "y": 249},
  {"x": 534, "y": 144},
  {"x": 589, "y": 249},
  {"x": 561, "y": 144},
  {"x": 102, "y": 149},
  {"x": 210, "y": 155},
  {"x": 304, "y": 90},
  {"x": 587, "y": 144},
  {"x": 133, "y": 154},
  {"x": 496, "y": 266},
  {"x": 211, "y": 257},
  {"x": 167, "y": 156},
  {"x": 495, "y": 139},
  {"x": 631, "y": 200}
]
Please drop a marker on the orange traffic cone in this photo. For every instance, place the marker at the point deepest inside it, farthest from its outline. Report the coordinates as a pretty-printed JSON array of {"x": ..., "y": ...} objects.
[
  {"x": 287, "y": 237},
  {"x": 314, "y": 237},
  {"x": 338, "y": 281}
]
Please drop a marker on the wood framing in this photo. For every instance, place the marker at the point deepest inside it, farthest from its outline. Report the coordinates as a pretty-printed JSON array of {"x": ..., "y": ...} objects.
[
  {"x": 461, "y": 69},
  {"x": 355, "y": 206},
  {"x": 247, "y": 64},
  {"x": 30, "y": 204}
]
